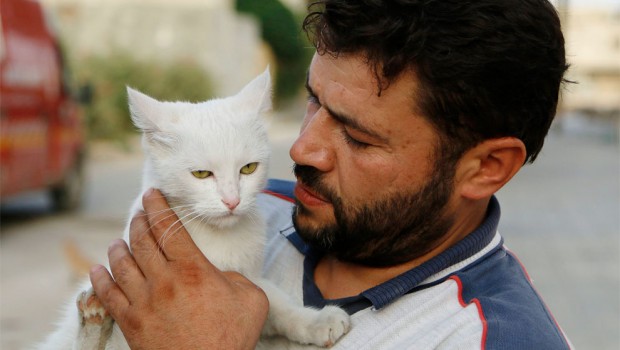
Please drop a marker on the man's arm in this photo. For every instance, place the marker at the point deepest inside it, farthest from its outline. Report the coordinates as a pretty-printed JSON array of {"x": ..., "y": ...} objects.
[{"x": 168, "y": 295}]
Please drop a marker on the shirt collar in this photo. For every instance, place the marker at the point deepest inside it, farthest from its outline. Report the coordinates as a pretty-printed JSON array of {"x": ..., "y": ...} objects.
[{"x": 387, "y": 292}]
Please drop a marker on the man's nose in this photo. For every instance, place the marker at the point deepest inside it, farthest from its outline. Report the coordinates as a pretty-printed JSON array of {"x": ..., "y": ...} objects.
[{"x": 313, "y": 147}]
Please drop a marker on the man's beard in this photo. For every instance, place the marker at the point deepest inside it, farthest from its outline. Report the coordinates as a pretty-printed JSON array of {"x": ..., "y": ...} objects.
[{"x": 385, "y": 232}]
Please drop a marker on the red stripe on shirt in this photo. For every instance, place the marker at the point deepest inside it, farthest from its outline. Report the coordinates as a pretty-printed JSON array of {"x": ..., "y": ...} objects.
[
  {"x": 478, "y": 306},
  {"x": 281, "y": 196}
]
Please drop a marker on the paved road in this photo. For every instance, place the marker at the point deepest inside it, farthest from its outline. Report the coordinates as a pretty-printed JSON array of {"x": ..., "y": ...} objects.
[{"x": 560, "y": 216}]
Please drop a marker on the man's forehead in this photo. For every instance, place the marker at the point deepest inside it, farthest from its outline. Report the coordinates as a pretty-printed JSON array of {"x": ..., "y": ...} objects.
[
  {"x": 354, "y": 75},
  {"x": 352, "y": 68},
  {"x": 360, "y": 73},
  {"x": 341, "y": 83}
]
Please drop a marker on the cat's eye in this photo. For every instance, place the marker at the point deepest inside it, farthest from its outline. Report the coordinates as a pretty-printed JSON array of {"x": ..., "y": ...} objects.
[
  {"x": 248, "y": 168},
  {"x": 201, "y": 174}
]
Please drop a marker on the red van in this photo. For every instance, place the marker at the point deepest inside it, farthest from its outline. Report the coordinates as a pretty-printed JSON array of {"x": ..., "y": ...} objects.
[{"x": 42, "y": 139}]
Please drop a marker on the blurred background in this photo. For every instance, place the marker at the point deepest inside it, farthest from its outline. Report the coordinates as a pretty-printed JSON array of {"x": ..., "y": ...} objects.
[{"x": 70, "y": 161}]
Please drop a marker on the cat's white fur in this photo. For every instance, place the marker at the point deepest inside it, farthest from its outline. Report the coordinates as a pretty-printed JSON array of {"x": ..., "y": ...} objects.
[{"x": 221, "y": 136}]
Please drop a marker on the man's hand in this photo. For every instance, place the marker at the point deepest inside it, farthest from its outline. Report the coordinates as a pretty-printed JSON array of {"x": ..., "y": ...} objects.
[{"x": 167, "y": 295}]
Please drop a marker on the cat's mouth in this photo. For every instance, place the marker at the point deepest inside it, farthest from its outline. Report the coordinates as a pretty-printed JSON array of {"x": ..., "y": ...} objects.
[
  {"x": 223, "y": 216},
  {"x": 225, "y": 220},
  {"x": 218, "y": 219}
]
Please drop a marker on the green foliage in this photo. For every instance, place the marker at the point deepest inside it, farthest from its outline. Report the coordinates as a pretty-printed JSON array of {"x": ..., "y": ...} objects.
[
  {"x": 108, "y": 114},
  {"x": 281, "y": 30}
]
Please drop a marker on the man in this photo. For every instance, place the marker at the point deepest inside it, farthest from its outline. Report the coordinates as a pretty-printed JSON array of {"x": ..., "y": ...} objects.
[{"x": 418, "y": 112}]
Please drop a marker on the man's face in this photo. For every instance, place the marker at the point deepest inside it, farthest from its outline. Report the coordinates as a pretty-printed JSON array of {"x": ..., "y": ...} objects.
[{"x": 371, "y": 188}]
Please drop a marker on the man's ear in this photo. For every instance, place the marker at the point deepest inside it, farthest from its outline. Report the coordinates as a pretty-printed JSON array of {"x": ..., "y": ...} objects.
[{"x": 484, "y": 169}]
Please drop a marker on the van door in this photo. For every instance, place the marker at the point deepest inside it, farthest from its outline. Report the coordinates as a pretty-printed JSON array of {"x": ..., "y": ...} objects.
[{"x": 29, "y": 85}]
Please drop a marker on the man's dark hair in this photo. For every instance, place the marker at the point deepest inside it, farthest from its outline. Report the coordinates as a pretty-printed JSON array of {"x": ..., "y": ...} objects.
[{"x": 487, "y": 68}]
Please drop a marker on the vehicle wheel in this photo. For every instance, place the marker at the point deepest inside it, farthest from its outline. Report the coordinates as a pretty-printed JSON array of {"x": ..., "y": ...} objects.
[{"x": 67, "y": 195}]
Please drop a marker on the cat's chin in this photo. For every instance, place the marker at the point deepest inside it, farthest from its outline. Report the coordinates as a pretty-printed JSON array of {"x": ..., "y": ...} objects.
[{"x": 224, "y": 221}]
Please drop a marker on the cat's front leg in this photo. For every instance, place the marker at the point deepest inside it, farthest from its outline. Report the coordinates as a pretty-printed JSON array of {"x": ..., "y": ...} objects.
[
  {"x": 95, "y": 322},
  {"x": 301, "y": 324}
]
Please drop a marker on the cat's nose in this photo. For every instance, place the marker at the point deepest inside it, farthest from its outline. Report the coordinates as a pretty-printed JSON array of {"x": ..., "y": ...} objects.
[{"x": 231, "y": 203}]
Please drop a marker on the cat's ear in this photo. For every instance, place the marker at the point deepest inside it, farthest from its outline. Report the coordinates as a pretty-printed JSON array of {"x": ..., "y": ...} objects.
[
  {"x": 145, "y": 110},
  {"x": 258, "y": 92}
]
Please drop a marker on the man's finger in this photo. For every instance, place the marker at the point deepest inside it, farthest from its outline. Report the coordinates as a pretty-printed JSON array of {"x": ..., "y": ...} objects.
[
  {"x": 166, "y": 228},
  {"x": 145, "y": 250},
  {"x": 108, "y": 292},
  {"x": 126, "y": 272},
  {"x": 239, "y": 279}
]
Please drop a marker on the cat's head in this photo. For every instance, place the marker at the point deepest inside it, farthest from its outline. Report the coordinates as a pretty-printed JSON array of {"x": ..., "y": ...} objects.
[{"x": 208, "y": 158}]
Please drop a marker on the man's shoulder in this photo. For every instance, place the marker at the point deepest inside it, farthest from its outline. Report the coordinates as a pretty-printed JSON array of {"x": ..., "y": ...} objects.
[
  {"x": 282, "y": 189},
  {"x": 489, "y": 304},
  {"x": 512, "y": 310},
  {"x": 275, "y": 202}
]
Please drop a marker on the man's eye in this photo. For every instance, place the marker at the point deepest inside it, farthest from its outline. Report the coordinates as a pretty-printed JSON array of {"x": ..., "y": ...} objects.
[
  {"x": 313, "y": 99},
  {"x": 353, "y": 142}
]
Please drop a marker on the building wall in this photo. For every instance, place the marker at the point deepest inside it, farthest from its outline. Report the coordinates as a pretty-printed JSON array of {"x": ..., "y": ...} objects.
[
  {"x": 593, "y": 50},
  {"x": 228, "y": 45},
  {"x": 210, "y": 33}
]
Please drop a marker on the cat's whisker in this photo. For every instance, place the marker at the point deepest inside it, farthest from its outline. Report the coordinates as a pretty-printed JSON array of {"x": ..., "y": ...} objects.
[
  {"x": 168, "y": 233},
  {"x": 253, "y": 217},
  {"x": 156, "y": 255},
  {"x": 175, "y": 208},
  {"x": 160, "y": 220},
  {"x": 202, "y": 220},
  {"x": 163, "y": 218},
  {"x": 196, "y": 216},
  {"x": 157, "y": 213},
  {"x": 253, "y": 213}
]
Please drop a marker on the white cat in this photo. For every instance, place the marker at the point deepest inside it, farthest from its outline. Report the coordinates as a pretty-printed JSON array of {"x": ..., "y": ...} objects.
[{"x": 210, "y": 160}]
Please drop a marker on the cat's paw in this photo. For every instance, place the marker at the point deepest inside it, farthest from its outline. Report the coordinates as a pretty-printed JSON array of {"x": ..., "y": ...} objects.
[
  {"x": 331, "y": 324},
  {"x": 95, "y": 322},
  {"x": 91, "y": 310}
]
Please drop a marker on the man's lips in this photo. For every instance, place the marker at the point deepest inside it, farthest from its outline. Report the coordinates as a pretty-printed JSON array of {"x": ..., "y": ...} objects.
[{"x": 307, "y": 196}]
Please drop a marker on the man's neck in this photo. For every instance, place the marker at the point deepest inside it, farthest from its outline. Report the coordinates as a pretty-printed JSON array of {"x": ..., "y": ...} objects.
[{"x": 339, "y": 279}]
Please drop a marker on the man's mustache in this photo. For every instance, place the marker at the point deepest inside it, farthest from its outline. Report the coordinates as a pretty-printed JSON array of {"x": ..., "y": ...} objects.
[{"x": 311, "y": 177}]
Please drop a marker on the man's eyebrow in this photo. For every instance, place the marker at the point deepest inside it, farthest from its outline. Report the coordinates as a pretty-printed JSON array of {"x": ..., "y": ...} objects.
[
  {"x": 343, "y": 118},
  {"x": 354, "y": 124}
]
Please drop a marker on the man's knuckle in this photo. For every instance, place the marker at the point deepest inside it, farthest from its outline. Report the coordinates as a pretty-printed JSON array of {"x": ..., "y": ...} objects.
[
  {"x": 138, "y": 224},
  {"x": 124, "y": 262},
  {"x": 122, "y": 269},
  {"x": 141, "y": 243},
  {"x": 258, "y": 296},
  {"x": 132, "y": 323},
  {"x": 109, "y": 297},
  {"x": 192, "y": 275},
  {"x": 165, "y": 290},
  {"x": 104, "y": 294}
]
